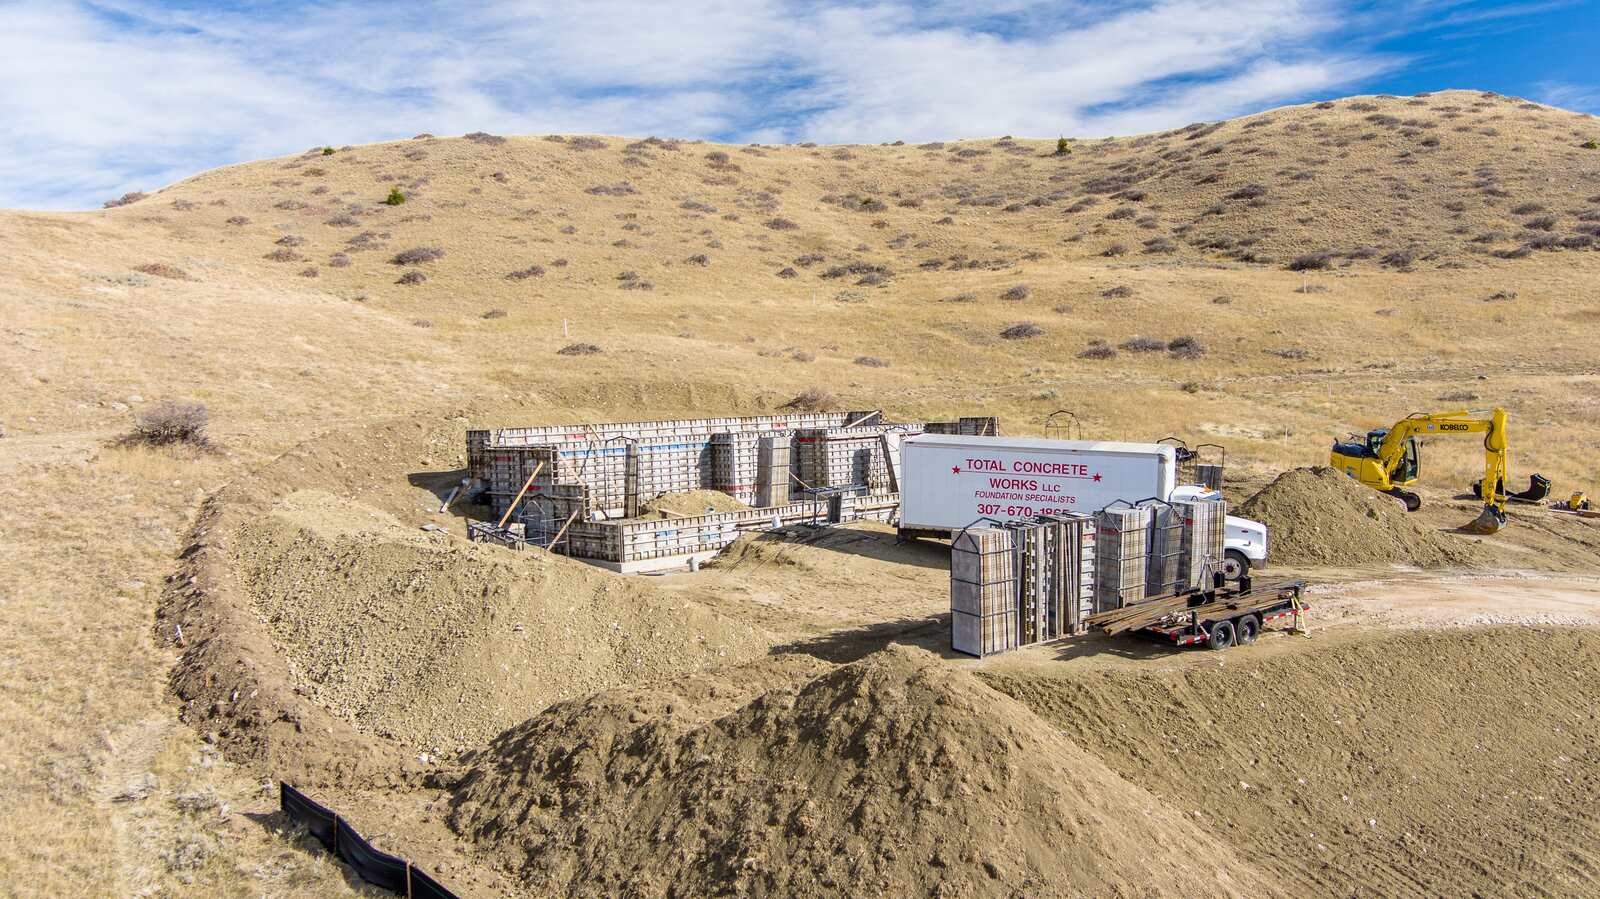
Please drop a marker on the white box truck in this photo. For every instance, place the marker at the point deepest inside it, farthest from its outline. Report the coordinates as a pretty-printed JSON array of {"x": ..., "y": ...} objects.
[{"x": 949, "y": 481}]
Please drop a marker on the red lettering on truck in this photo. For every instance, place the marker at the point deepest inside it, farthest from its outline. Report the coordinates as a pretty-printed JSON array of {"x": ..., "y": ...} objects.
[{"x": 1068, "y": 469}]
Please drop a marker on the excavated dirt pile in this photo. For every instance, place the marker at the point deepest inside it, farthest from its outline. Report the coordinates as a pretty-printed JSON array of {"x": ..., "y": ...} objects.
[
  {"x": 1318, "y": 516},
  {"x": 442, "y": 644},
  {"x": 894, "y": 775}
]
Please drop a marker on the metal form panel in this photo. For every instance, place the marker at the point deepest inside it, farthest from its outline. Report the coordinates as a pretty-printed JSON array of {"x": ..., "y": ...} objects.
[
  {"x": 1162, "y": 576},
  {"x": 772, "y": 471},
  {"x": 846, "y": 457},
  {"x": 734, "y": 462}
]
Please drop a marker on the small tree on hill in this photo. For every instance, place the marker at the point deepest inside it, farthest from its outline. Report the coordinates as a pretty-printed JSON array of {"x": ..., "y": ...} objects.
[
  {"x": 395, "y": 197},
  {"x": 1063, "y": 148}
]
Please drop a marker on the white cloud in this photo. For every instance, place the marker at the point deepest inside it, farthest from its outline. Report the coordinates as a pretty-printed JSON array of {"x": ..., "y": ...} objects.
[
  {"x": 134, "y": 94},
  {"x": 1579, "y": 97}
]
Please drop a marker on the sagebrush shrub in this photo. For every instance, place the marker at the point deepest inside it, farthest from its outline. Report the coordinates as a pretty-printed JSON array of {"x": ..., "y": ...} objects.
[
  {"x": 1185, "y": 347},
  {"x": 1309, "y": 262},
  {"x": 1142, "y": 344},
  {"x": 171, "y": 422},
  {"x": 1021, "y": 331},
  {"x": 416, "y": 256},
  {"x": 812, "y": 399},
  {"x": 125, "y": 199},
  {"x": 163, "y": 270}
]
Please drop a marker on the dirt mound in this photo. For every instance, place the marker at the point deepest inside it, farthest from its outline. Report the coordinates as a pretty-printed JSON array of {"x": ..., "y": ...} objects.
[
  {"x": 1318, "y": 516},
  {"x": 441, "y": 644},
  {"x": 761, "y": 551},
  {"x": 895, "y": 775},
  {"x": 689, "y": 502},
  {"x": 1410, "y": 764}
]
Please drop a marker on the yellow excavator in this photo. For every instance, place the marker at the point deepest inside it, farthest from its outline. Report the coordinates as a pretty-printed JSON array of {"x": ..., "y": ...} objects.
[{"x": 1388, "y": 460}]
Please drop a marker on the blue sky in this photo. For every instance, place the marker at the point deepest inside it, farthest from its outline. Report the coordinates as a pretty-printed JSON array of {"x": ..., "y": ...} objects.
[{"x": 121, "y": 95}]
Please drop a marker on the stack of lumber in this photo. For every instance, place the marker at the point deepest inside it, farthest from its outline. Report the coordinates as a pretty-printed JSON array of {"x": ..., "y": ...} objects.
[{"x": 1142, "y": 614}]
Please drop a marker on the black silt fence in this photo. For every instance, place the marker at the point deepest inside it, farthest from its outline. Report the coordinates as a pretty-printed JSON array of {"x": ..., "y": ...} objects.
[{"x": 338, "y": 837}]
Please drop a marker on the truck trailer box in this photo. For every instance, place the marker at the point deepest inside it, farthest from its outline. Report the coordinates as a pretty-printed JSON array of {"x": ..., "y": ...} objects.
[{"x": 949, "y": 481}]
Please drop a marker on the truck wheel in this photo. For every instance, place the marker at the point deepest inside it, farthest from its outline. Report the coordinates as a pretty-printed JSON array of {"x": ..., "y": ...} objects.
[
  {"x": 1234, "y": 565},
  {"x": 1248, "y": 628},
  {"x": 1221, "y": 635}
]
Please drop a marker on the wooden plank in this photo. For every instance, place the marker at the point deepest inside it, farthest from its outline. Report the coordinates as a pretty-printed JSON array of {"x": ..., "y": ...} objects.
[{"x": 525, "y": 485}]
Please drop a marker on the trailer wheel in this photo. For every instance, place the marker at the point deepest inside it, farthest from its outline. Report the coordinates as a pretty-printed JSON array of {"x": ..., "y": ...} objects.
[
  {"x": 1234, "y": 565},
  {"x": 1221, "y": 635},
  {"x": 1248, "y": 628}
]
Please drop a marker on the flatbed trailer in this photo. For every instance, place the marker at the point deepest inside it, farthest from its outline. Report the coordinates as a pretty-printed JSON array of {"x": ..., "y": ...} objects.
[{"x": 1218, "y": 618}]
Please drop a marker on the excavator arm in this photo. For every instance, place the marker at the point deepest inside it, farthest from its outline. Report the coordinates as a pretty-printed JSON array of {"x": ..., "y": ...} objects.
[
  {"x": 1389, "y": 458},
  {"x": 1496, "y": 449}
]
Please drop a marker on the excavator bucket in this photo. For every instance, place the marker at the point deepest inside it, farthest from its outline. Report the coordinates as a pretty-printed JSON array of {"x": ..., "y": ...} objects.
[
  {"x": 1538, "y": 489},
  {"x": 1489, "y": 521}
]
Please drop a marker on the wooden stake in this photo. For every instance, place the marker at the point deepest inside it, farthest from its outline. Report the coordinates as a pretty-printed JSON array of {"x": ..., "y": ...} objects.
[
  {"x": 559, "y": 534},
  {"x": 525, "y": 485},
  {"x": 445, "y": 506}
]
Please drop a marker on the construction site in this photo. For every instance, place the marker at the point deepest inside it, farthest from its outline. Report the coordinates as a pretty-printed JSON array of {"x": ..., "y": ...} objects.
[
  {"x": 797, "y": 619},
  {"x": 649, "y": 518}
]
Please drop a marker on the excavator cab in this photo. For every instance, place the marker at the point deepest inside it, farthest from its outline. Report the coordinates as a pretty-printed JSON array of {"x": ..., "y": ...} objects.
[
  {"x": 1410, "y": 466},
  {"x": 1362, "y": 458}
]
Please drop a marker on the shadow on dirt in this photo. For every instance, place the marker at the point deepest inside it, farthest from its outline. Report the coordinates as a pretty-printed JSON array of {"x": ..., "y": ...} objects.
[
  {"x": 883, "y": 546},
  {"x": 440, "y": 483},
  {"x": 932, "y": 634}
]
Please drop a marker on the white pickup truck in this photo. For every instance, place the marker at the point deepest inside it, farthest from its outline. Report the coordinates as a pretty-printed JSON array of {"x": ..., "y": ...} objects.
[{"x": 948, "y": 481}]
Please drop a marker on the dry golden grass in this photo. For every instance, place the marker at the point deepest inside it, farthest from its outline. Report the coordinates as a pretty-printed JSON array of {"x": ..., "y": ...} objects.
[{"x": 279, "y": 356}]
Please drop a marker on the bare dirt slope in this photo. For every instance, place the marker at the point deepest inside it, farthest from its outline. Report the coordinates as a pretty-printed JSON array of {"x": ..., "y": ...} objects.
[
  {"x": 441, "y": 645},
  {"x": 341, "y": 369}
]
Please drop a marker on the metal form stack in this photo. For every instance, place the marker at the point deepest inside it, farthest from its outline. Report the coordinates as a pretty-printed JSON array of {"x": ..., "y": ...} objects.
[
  {"x": 1121, "y": 548},
  {"x": 983, "y": 592},
  {"x": 1039, "y": 574},
  {"x": 1208, "y": 475},
  {"x": 1051, "y": 567},
  {"x": 1162, "y": 576},
  {"x": 1204, "y": 529}
]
